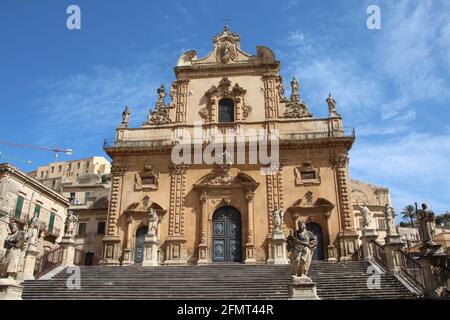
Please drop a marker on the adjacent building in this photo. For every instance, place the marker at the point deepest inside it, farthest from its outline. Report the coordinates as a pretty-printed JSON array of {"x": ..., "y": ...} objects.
[
  {"x": 22, "y": 198},
  {"x": 56, "y": 174}
]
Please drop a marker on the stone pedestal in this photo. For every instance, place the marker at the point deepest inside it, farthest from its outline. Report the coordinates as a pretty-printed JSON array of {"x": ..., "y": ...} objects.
[
  {"x": 30, "y": 262},
  {"x": 249, "y": 253},
  {"x": 392, "y": 246},
  {"x": 10, "y": 289},
  {"x": 126, "y": 257},
  {"x": 176, "y": 251},
  {"x": 277, "y": 248},
  {"x": 302, "y": 288},
  {"x": 332, "y": 253},
  {"x": 68, "y": 245},
  {"x": 151, "y": 247},
  {"x": 111, "y": 251},
  {"x": 202, "y": 254},
  {"x": 431, "y": 256},
  {"x": 368, "y": 236},
  {"x": 347, "y": 241}
]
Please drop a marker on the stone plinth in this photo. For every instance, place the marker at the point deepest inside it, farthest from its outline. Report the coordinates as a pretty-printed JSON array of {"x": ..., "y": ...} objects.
[
  {"x": 393, "y": 244},
  {"x": 10, "y": 289},
  {"x": 431, "y": 256},
  {"x": 30, "y": 262},
  {"x": 302, "y": 288},
  {"x": 368, "y": 236},
  {"x": 151, "y": 247},
  {"x": 68, "y": 245},
  {"x": 277, "y": 248},
  {"x": 202, "y": 254}
]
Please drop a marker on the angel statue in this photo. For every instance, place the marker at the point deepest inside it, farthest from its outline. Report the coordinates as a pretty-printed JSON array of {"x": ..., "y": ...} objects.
[
  {"x": 153, "y": 221},
  {"x": 302, "y": 244},
  {"x": 366, "y": 215},
  {"x": 277, "y": 218}
]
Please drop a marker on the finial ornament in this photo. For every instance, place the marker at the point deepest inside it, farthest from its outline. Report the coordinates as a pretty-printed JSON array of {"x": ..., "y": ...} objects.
[
  {"x": 295, "y": 96},
  {"x": 332, "y": 106},
  {"x": 125, "y": 117},
  {"x": 295, "y": 108},
  {"x": 160, "y": 115}
]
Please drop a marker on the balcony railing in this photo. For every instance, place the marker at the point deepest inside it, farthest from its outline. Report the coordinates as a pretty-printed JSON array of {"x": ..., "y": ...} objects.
[{"x": 283, "y": 135}]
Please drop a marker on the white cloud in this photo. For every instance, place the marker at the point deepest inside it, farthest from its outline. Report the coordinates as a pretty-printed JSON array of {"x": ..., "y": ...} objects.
[{"x": 415, "y": 167}]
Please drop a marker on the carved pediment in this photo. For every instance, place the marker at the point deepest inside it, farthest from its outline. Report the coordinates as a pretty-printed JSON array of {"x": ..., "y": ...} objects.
[
  {"x": 225, "y": 90},
  {"x": 309, "y": 201},
  {"x": 144, "y": 205},
  {"x": 222, "y": 177}
]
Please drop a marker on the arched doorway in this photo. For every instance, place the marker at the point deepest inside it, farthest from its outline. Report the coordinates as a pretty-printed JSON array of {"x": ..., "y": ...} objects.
[
  {"x": 139, "y": 244},
  {"x": 317, "y": 230},
  {"x": 226, "y": 235}
]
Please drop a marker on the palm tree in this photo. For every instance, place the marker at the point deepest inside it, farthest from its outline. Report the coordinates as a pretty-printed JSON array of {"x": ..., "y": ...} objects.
[{"x": 408, "y": 214}]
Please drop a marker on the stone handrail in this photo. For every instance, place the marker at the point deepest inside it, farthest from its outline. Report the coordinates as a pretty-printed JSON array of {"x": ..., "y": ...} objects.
[
  {"x": 410, "y": 269},
  {"x": 49, "y": 261}
]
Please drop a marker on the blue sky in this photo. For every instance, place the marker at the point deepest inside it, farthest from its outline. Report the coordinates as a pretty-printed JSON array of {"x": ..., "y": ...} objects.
[{"x": 393, "y": 85}]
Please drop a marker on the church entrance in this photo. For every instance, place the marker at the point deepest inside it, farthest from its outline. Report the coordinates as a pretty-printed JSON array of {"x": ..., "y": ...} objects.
[
  {"x": 139, "y": 245},
  {"x": 227, "y": 235},
  {"x": 317, "y": 230}
]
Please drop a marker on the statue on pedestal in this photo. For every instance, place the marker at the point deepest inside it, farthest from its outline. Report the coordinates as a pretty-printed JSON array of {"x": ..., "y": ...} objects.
[
  {"x": 14, "y": 245},
  {"x": 277, "y": 219},
  {"x": 426, "y": 225},
  {"x": 33, "y": 231},
  {"x": 367, "y": 216},
  {"x": 389, "y": 216},
  {"x": 332, "y": 106},
  {"x": 125, "y": 117},
  {"x": 302, "y": 244},
  {"x": 70, "y": 225},
  {"x": 153, "y": 221}
]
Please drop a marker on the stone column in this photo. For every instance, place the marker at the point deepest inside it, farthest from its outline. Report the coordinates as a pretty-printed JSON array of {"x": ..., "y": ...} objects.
[
  {"x": 127, "y": 258},
  {"x": 68, "y": 245},
  {"x": 203, "y": 257},
  {"x": 182, "y": 98},
  {"x": 111, "y": 241},
  {"x": 331, "y": 249},
  {"x": 368, "y": 236},
  {"x": 30, "y": 262},
  {"x": 151, "y": 247},
  {"x": 176, "y": 241},
  {"x": 250, "y": 245},
  {"x": 347, "y": 237}
]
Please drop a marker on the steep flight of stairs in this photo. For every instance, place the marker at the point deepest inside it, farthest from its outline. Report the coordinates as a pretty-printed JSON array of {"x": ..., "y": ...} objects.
[
  {"x": 219, "y": 281},
  {"x": 227, "y": 281},
  {"x": 349, "y": 280}
]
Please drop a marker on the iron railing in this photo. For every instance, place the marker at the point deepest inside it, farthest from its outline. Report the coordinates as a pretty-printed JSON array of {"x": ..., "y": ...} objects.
[
  {"x": 410, "y": 269},
  {"x": 379, "y": 254},
  {"x": 48, "y": 262},
  {"x": 170, "y": 140}
]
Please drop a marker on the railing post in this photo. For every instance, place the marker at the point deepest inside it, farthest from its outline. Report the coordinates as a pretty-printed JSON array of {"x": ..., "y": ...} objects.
[
  {"x": 30, "y": 262},
  {"x": 431, "y": 256},
  {"x": 68, "y": 246},
  {"x": 368, "y": 236},
  {"x": 391, "y": 248}
]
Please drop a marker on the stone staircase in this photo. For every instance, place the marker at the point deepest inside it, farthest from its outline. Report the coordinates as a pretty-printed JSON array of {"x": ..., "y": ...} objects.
[
  {"x": 218, "y": 281},
  {"x": 348, "y": 280}
]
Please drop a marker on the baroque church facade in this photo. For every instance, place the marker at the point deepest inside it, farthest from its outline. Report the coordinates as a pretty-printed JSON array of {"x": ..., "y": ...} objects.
[{"x": 224, "y": 211}]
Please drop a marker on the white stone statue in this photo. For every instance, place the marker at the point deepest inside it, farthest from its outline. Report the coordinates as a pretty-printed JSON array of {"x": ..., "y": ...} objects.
[
  {"x": 302, "y": 243},
  {"x": 367, "y": 216},
  {"x": 277, "y": 219},
  {"x": 389, "y": 216},
  {"x": 153, "y": 221},
  {"x": 125, "y": 117},
  {"x": 33, "y": 231},
  {"x": 14, "y": 245},
  {"x": 427, "y": 224},
  {"x": 332, "y": 106},
  {"x": 70, "y": 224}
]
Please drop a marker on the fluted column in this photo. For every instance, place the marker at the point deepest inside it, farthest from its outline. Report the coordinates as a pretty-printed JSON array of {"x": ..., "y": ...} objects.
[
  {"x": 203, "y": 246},
  {"x": 127, "y": 258},
  {"x": 250, "y": 245}
]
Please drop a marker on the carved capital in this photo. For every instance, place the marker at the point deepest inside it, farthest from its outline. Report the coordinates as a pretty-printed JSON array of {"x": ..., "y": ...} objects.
[
  {"x": 340, "y": 162},
  {"x": 203, "y": 197},
  {"x": 118, "y": 170},
  {"x": 249, "y": 195}
]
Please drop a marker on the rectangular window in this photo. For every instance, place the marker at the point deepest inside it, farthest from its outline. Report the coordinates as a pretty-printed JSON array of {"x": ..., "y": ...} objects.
[
  {"x": 78, "y": 165},
  {"x": 53, "y": 169},
  {"x": 148, "y": 180},
  {"x": 51, "y": 221},
  {"x": 19, "y": 207},
  {"x": 101, "y": 227},
  {"x": 86, "y": 196},
  {"x": 60, "y": 168},
  {"x": 37, "y": 210},
  {"x": 87, "y": 164},
  {"x": 69, "y": 167},
  {"x": 308, "y": 175},
  {"x": 42, "y": 174},
  {"x": 82, "y": 228}
]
